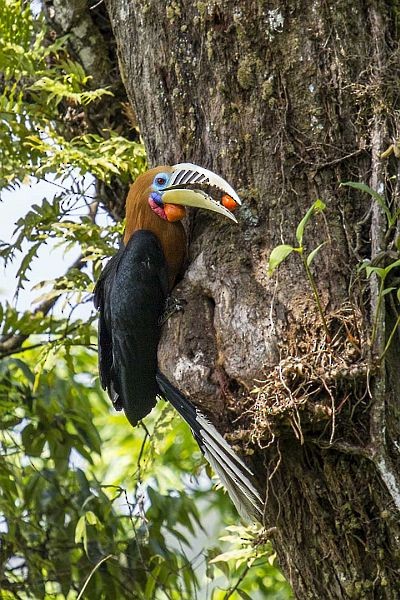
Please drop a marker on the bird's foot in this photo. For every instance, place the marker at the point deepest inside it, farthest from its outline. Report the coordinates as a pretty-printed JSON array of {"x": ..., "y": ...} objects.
[{"x": 172, "y": 306}]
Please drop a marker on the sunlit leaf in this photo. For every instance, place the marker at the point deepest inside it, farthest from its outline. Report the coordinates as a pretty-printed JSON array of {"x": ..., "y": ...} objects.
[
  {"x": 316, "y": 207},
  {"x": 277, "y": 256},
  {"x": 363, "y": 187},
  {"x": 314, "y": 253}
]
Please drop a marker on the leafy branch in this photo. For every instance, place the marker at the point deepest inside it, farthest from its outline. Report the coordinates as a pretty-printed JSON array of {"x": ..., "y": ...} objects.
[{"x": 11, "y": 343}]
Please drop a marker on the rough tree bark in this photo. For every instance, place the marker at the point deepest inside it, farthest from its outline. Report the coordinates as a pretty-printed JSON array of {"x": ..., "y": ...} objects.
[{"x": 286, "y": 101}]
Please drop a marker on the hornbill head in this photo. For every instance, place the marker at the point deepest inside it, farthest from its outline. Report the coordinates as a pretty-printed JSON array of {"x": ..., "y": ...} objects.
[
  {"x": 157, "y": 201},
  {"x": 167, "y": 190},
  {"x": 186, "y": 184}
]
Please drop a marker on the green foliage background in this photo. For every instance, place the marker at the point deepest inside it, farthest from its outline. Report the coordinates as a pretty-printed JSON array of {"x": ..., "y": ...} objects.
[{"x": 90, "y": 508}]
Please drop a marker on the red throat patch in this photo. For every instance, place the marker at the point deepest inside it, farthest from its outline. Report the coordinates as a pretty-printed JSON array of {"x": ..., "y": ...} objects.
[{"x": 159, "y": 210}]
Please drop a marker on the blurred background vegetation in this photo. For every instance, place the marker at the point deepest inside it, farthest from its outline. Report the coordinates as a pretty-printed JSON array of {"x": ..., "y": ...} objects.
[{"x": 89, "y": 507}]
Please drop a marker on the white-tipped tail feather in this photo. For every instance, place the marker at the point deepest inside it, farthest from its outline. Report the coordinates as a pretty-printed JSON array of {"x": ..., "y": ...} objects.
[{"x": 232, "y": 471}]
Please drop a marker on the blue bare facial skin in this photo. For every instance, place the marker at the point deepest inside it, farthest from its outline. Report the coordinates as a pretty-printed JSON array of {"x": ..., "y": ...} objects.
[
  {"x": 156, "y": 197},
  {"x": 160, "y": 181}
]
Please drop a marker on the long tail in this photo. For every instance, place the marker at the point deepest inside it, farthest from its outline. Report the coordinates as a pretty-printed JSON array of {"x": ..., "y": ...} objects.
[{"x": 232, "y": 471}]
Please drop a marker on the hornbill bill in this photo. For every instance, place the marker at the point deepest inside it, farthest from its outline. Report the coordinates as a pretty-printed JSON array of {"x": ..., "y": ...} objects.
[{"x": 131, "y": 295}]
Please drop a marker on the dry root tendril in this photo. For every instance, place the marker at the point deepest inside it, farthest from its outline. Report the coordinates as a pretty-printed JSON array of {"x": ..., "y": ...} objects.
[{"x": 313, "y": 381}]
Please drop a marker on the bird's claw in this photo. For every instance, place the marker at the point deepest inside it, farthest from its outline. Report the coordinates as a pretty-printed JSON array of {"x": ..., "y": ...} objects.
[{"x": 172, "y": 306}]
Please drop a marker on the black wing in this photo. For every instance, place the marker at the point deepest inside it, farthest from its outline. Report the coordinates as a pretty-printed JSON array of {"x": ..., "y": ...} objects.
[
  {"x": 130, "y": 295},
  {"x": 102, "y": 303}
]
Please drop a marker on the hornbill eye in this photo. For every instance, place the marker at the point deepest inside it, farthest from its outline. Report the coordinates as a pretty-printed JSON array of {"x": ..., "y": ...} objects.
[{"x": 160, "y": 180}]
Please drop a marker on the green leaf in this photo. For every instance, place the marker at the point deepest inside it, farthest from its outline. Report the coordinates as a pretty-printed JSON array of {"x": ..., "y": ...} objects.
[
  {"x": 369, "y": 269},
  {"x": 363, "y": 187},
  {"x": 229, "y": 555},
  {"x": 316, "y": 207},
  {"x": 32, "y": 440},
  {"x": 387, "y": 291},
  {"x": 91, "y": 518},
  {"x": 314, "y": 253},
  {"x": 391, "y": 266},
  {"x": 80, "y": 530},
  {"x": 152, "y": 580},
  {"x": 277, "y": 256},
  {"x": 243, "y": 594}
]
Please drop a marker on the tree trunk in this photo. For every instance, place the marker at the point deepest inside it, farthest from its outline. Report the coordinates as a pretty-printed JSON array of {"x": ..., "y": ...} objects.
[{"x": 286, "y": 102}]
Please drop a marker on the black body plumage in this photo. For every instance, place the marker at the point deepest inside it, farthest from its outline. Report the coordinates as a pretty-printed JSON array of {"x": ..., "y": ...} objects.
[{"x": 130, "y": 295}]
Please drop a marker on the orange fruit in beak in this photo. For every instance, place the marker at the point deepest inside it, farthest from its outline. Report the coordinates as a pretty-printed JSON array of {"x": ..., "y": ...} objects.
[
  {"x": 229, "y": 202},
  {"x": 174, "y": 212}
]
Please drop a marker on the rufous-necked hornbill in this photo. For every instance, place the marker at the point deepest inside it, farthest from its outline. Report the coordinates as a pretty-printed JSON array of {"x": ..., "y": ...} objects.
[{"x": 131, "y": 294}]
